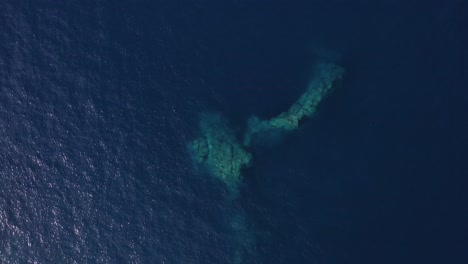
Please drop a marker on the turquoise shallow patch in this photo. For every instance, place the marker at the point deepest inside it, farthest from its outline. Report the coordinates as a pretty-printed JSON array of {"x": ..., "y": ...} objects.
[
  {"x": 219, "y": 150},
  {"x": 224, "y": 155},
  {"x": 325, "y": 75}
]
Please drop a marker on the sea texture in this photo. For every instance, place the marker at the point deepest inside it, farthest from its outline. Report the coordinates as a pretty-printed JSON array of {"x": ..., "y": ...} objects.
[{"x": 99, "y": 101}]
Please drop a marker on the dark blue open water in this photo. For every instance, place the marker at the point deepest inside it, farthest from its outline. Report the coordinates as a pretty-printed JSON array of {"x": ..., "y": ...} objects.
[{"x": 98, "y": 100}]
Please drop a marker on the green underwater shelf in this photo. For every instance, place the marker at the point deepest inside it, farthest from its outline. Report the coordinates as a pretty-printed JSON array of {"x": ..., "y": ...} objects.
[
  {"x": 219, "y": 150},
  {"x": 325, "y": 75},
  {"x": 224, "y": 155}
]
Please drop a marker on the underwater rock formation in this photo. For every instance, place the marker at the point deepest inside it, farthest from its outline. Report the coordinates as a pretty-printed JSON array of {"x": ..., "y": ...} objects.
[
  {"x": 220, "y": 151},
  {"x": 225, "y": 156},
  {"x": 326, "y": 75}
]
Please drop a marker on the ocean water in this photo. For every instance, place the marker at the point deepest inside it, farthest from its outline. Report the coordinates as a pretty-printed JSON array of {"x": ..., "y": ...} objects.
[{"x": 99, "y": 99}]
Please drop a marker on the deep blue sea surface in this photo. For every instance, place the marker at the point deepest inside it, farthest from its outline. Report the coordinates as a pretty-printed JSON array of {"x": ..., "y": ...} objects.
[{"x": 98, "y": 100}]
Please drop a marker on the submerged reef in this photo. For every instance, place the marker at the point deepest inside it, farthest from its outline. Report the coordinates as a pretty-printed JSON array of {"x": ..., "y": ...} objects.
[
  {"x": 219, "y": 150},
  {"x": 243, "y": 237},
  {"x": 224, "y": 155},
  {"x": 325, "y": 76}
]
